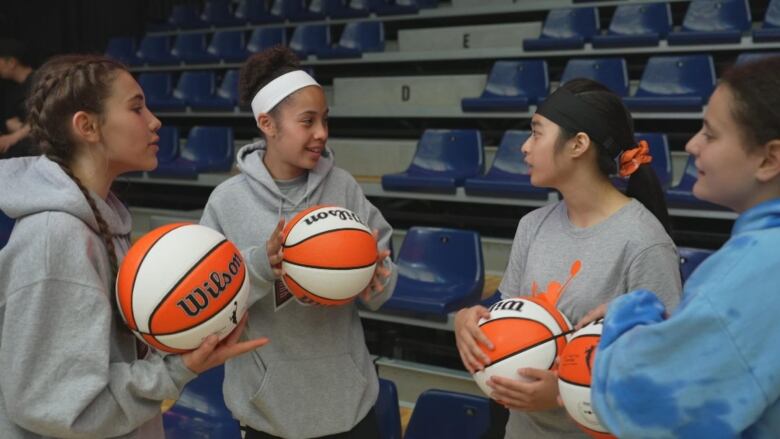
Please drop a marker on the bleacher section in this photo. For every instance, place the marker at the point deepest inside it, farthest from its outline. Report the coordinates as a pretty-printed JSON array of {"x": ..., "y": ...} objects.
[{"x": 430, "y": 103}]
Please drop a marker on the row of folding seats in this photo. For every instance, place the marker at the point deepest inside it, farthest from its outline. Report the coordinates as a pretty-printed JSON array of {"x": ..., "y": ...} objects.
[
  {"x": 207, "y": 149},
  {"x": 668, "y": 82},
  {"x": 705, "y": 22},
  {"x": 195, "y": 89},
  {"x": 221, "y": 13},
  {"x": 447, "y": 159},
  {"x": 232, "y": 46}
]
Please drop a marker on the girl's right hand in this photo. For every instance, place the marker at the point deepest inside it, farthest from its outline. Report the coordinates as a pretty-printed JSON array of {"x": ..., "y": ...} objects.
[
  {"x": 273, "y": 248},
  {"x": 468, "y": 338},
  {"x": 212, "y": 352}
]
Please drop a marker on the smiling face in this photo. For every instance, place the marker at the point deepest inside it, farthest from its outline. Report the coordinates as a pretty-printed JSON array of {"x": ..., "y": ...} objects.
[
  {"x": 726, "y": 166},
  {"x": 297, "y": 133}
]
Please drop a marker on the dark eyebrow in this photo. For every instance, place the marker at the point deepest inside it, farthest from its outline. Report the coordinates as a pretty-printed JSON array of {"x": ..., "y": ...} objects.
[
  {"x": 138, "y": 96},
  {"x": 536, "y": 123}
]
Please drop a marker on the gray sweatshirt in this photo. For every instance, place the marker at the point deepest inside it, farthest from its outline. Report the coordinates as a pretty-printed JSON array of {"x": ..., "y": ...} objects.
[
  {"x": 69, "y": 365},
  {"x": 316, "y": 377}
]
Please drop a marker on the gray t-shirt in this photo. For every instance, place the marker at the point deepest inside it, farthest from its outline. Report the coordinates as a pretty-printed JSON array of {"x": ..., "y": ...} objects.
[{"x": 627, "y": 251}]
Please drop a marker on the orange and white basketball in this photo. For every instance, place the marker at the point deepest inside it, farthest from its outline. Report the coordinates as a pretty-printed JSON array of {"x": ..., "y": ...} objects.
[
  {"x": 574, "y": 372},
  {"x": 525, "y": 332},
  {"x": 180, "y": 283},
  {"x": 329, "y": 255}
]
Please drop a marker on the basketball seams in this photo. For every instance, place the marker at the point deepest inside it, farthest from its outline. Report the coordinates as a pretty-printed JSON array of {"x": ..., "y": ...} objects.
[
  {"x": 324, "y": 300},
  {"x": 325, "y": 232},
  {"x": 194, "y": 266},
  {"x": 360, "y": 267}
]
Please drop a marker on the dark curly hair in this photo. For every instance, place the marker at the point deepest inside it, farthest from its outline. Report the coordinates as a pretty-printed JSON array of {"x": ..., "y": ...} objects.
[{"x": 264, "y": 67}]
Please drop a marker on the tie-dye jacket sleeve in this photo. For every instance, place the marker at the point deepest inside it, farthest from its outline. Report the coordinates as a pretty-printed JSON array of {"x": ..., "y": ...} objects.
[{"x": 712, "y": 369}]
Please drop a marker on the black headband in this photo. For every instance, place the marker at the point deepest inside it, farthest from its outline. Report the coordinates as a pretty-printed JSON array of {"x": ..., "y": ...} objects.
[{"x": 571, "y": 113}]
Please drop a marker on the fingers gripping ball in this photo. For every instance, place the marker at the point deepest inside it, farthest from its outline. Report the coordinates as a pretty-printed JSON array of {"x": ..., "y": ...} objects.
[
  {"x": 329, "y": 255},
  {"x": 526, "y": 332},
  {"x": 574, "y": 372},
  {"x": 181, "y": 283}
]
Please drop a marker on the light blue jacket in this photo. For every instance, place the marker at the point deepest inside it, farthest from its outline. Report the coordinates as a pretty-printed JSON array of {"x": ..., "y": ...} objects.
[{"x": 712, "y": 369}]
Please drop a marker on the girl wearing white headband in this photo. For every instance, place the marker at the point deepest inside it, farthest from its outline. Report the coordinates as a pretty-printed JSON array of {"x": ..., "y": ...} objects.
[{"x": 315, "y": 378}]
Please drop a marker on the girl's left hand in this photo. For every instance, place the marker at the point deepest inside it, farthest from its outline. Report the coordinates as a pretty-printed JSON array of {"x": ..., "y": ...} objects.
[
  {"x": 539, "y": 394},
  {"x": 377, "y": 284}
]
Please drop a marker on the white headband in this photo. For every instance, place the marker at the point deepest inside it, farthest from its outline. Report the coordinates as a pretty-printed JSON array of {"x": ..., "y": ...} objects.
[{"x": 278, "y": 89}]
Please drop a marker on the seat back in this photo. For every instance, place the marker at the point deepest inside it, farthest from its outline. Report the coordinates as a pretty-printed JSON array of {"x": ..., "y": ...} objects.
[
  {"x": 156, "y": 85},
  {"x": 122, "y": 49},
  {"x": 155, "y": 48},
  {"x": 229, "y": 45},
  {"x": 250, "y": 11},
  {"x": 662, "y": 159},
  {"x": 290, "y": 9},
  {"x": 210, "y": 145},
  {"x": 387, "y": 411},
  {"x": 441, "y": 256},
  {"x": 612, "y": 72},
  {"x": 772, "y": 16},
  {"x": 457, "y": 153},
  {"x": 189, "y": 46},
  {"x": 641, "y": 19},
  {"x": 169, "y": 144},
  {"x": 218, "y": 13},
  {"x": 571, "y": 22},
  {"x": 518, "y": 78},
  {"x": 689, "y": 177},
  {"x": 442, "y": 414},
  {"x": 749, "y": 57},
  {"x": 6, "y": 226},
  {"x": 685, "y": 75},
  {"x": 228, "y": 88},
  {"x": 717, "y": 15},
  {"x": 365, "y": 36},
  {"x": 309, "y": 38},
  {"x": 185, "y": 16},
  {"x": 690, "y": 258},
  {"x": 263, "y": 38},
  {"x": 510, "y": 160},
  {"x": 195, "y": 84}
]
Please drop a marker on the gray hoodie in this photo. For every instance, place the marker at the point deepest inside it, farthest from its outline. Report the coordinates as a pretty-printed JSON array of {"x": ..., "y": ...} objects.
[
  {"x": 69, "y": 365},
  {"x": 316, "y": 377}
]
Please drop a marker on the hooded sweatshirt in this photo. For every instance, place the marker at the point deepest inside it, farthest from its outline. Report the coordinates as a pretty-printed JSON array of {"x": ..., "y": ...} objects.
[
  {"x": 711, "y": 369},
  {"x": 316, "y": 377},
  {"x": 69, "y": 365}
]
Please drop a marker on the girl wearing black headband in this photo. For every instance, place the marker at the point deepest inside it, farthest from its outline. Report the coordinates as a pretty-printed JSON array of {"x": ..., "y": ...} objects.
[{"x": 598, "y": 242}]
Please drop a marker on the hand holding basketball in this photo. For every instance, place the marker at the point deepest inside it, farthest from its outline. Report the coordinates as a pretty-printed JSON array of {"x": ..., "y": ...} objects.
[
  {"x": 468, "y": 336},
  {"x": 377, "y": 284},
  {"x": 273, "y": 248},
  {"x": 592, "y": 315},
  {"x": 212, "y": 352},
  {"x": 538, "y": 394}
]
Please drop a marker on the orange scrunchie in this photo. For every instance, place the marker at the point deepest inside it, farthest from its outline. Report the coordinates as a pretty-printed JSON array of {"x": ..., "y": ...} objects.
[{"x": 631, "y": 159}]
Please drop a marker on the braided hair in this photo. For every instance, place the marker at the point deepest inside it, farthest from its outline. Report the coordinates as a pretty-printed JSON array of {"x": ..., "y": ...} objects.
[{"x": 60, "y": 88}]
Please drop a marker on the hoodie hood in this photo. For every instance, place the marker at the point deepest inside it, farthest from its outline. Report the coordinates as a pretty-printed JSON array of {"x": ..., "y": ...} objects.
[
  {"x": 36, "y": 184},
  {"x": 250, "y": 162}
]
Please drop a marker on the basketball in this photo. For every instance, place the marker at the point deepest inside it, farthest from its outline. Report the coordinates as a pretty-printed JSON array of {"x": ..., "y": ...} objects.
[
  {"x": 181, "y": 283},
  {"x": 574, "y": 371},
  {"x": 525, "y": 332},
  {"x": 329, "y": 255}
]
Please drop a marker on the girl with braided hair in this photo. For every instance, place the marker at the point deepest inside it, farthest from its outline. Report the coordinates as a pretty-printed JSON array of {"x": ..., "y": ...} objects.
[{"x": 70, "y": 366}]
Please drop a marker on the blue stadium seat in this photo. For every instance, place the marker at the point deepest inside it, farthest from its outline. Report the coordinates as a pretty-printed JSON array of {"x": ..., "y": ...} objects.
[
  {"x": 690, "y": 258},
  {"x": 185, "y": 16},
  {"x": 156, "y": 50},
  {"x": 770, "y": 29},
  {"x": 169, "y": 144},
  {"x": 123, "y": 50},
  {"x": 207, "y": 149},
  {"x": 393, "y": 7},
  {"x": 662, "y": 159},
  {"x": 294, "y": 10},
  {"x": 308, "y": 39},
  {"x": 511, "y": 86},
  {"x": 255, "y": 12},
  {"x": 192, "y": 49},
  {"x": 749, "y": 57},
  {"x": 674, "y": 83},
  {"x": 229, "y": 46},
  {"x": 228, "y": 88},
  {"x": 217, "y": 13},
  {"x": 6, "y": 225},
  {"x": 263, "y": 38},
  {"x": 200, "y": 411},
  {"x": 340, "y": 8},
  {"x": 439, "y": 271},
  {"x": 198, "y": 91},
  {"x": 387, "y": 411},
  {"x": 357, "y": 38},
  {"x": 612, "y": 72},
  {"x": 443, "y": 414},
  {"x": 492, "y": 299},
  {"x": 713, "y": 22},
  {"x": 681, "y": 195},
  {"x": 441, "y": 163},
  {"x": 565, "y": 29},
  {"x": 508, "y": 176},
  {"x": 636, "y": 25},
  {"x": 158, "y": 90}
]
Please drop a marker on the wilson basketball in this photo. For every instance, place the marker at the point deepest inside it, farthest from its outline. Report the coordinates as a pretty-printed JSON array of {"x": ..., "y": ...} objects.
[
  {"x": 574, "y": 372},
  {"x": 181, "y": 283},
  {"x": 525, "y": 332},
  {"x": 329, "y": 255}
]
